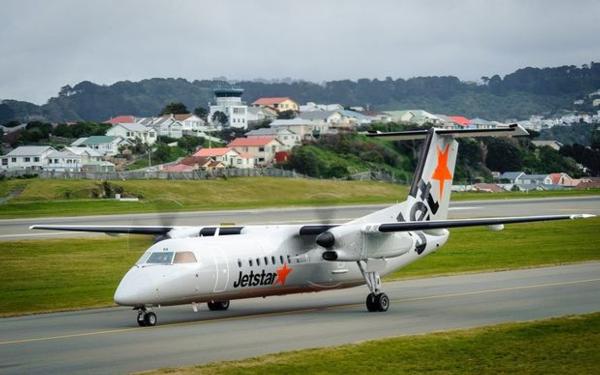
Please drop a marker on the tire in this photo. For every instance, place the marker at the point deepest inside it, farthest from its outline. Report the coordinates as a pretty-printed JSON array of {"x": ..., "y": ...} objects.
[
  {"x": 217, "y": 305},
  {"x": 382, "y": 302},
  {"x": 150, "y": 319},
  {"x": 372, "y": 302}
]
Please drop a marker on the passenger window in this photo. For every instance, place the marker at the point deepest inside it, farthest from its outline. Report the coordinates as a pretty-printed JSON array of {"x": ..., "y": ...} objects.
[
  {"x": 239, "y": 263},
  {"x": 281, "y": 259},
  {"x": 258, "y": 261},
  {"x": 184, "y": 257},
  {"x": 250, "y": 262},
  {"x": 273, "y": 260},
  {"x": 266, "y": 261},
  {"x": 289, "y": 260}
]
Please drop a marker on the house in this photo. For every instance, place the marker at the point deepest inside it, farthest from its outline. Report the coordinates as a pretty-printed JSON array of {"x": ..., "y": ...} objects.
[
  {"x": 511, "y": 177},
  {"x": 63, "y": 161},
  {"x": 303, "y": 128},
  {"x": 26, "y": 158},
  {"x": 479, "y": 123},
  {"x": 488, "y": 188},
  {"x": 279, "y": 104},
  {"x": 132, "y": 131},
  {"x": 189, "y": 121},
  {"x": 168, "y": 127},
  {"x": 460, "y": 120},
  {"x": 413, "y": 116},
  {"x": 88, "y": 155},
  {"x": 262, "y": 149},
  {"x": 329, "y": 117},
  {"x": 178, "y": 168},
  {"x": 120, "y": 119},
  {"x": 260, "y": 114},
  {"x": 229, "y": 103},
  {"x": 563, "y": 179},
  {"x": 226, "y": 155},
  {"x": 288, "y": 138},
  {"x": 535, "y": 179},
  {"x": 311, "y": 106},
  {"x": 106, "y": 145},
  {"x": 553, "y": 144}
]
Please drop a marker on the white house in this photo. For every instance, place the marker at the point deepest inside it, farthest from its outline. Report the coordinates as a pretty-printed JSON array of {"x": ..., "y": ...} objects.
[
  {"x": 106, "y": 145},
  {"x": 133, "y": 131},
  {"x": 26, "y": 158},
  {"x": 190, "y": 123},
  {"x": 302, "y": 127},
  {"x": 63, "y": 161},
  {"x": 87, "y": 154},
  {"x": 288, "y": 138},
  {"x": 168, "y": 127}
]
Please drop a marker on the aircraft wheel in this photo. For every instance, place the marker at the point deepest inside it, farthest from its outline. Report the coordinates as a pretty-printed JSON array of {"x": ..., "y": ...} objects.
[
  {"x": 372, "y": 302},
  {"x": 382, "y": 302},
  {"x": 218, "y": 305},
  {"x": 150, "y": 319}
]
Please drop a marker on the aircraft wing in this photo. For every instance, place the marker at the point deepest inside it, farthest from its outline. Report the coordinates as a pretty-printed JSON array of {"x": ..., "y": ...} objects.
[
  {"x": 457, "y": 223},
  {"x": 132, "y": 229}
]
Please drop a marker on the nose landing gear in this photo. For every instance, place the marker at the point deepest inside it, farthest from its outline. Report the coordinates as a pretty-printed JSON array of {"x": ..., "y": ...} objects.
[
  {"x": 146, "y": 318},
  {"x": 218, "y": 305}
]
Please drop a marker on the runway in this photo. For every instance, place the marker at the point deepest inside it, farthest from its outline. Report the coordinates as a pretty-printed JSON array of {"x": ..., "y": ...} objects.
[
  {"x": 109, "y": 341},
  {"x": 16, "y": 229}
]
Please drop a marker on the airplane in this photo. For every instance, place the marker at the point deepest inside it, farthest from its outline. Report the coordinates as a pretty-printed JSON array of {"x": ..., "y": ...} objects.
[{"x": 217, "y": 264}]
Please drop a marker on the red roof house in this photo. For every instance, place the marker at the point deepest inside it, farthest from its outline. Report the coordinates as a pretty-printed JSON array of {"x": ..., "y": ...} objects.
[
  {"x": 460, "y": 120},
  {"x": 126, "y": 119},
  {"x": 251, "y": 142},
  {"x": 212, "y": 152}
]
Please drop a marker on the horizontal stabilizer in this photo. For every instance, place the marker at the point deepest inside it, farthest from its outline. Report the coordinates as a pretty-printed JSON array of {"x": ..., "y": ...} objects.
[
  {"x": 457, "y": 223},
  {"x": 513, "y": 130}
]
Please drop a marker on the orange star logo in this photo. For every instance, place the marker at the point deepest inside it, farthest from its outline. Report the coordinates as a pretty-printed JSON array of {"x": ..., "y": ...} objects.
[
  {"x": 442, "y": 173},
  {"x": 282, "y": 274}
]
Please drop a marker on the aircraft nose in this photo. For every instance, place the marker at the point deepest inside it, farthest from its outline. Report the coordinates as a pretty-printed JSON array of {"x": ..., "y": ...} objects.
[{"x": 136, "y": 288}]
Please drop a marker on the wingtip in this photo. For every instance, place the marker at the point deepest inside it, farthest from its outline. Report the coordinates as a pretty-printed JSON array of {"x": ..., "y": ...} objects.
[{"x": 582, "y": 216}]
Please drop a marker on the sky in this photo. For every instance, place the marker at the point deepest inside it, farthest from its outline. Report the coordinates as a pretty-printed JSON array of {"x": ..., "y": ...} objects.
[{"x": 45, "y": 45}]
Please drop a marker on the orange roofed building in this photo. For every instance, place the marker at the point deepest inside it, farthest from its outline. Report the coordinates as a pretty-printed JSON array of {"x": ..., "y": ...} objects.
[
  {"x": 279, "y": 104},
  {"x": 262, "y": 149},
  {"x": 228, "y": 156}
]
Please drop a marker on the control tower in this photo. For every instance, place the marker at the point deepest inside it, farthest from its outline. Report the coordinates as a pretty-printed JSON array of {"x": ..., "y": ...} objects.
[{"x": 229, "y": 101}]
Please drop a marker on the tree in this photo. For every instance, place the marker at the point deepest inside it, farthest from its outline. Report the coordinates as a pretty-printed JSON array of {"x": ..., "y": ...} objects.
[
  {"x": 201, "y": 112},
  {"x": 220, "y": 118},
  {"x": 175, "y": 108},
  {"x": 503, "y": 156}
]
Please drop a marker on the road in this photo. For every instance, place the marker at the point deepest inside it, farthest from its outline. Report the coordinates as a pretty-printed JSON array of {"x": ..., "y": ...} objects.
[
  {"x": 16, "y": 229},
  {"x": 109, "y": 341}
]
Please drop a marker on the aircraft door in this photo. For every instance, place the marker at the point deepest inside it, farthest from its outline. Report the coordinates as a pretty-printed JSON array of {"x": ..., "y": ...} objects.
[{"x": 221, "y": 271}]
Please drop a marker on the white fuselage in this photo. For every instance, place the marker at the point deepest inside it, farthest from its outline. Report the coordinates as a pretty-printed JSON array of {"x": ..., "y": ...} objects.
[{"x": 261, "y": 261}]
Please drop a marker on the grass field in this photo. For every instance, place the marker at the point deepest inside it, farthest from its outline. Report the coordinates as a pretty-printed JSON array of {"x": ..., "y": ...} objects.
[
  {"x": 559, "y": 346},
  {"x": 38, "y": 198},
  {"x": 59, "y": 274}
]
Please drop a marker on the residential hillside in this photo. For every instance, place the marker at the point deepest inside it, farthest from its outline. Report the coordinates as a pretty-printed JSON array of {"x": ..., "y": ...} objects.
[{"x": 517, "y": 95}]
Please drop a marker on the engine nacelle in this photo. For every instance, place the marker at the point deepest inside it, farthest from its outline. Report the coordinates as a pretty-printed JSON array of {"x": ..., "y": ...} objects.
[{"x": 356, "y": 242}]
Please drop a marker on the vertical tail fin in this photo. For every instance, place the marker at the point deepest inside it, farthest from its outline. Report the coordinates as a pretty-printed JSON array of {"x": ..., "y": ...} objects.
[{"x": 432, "y": 183}]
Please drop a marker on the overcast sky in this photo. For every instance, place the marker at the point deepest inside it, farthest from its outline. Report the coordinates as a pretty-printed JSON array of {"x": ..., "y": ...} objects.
[{"x": 47, "y": 44}]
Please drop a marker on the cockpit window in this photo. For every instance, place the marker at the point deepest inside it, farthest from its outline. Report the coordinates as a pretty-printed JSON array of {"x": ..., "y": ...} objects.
[
  {"x": 160, "y": 258},
  {"x": 184, "y": 257}
]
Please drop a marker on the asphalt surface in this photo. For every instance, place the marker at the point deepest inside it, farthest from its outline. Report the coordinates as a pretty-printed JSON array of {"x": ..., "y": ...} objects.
[
  {"x": 109, "y": 341},
  {"x": 16, "y": 229}
]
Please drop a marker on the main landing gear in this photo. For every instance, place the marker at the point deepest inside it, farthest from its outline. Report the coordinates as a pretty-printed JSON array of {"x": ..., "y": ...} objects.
[
  {"x": 218, "y": 305},
  {"x": 376, "y": 300},
  {"x": 146, "y": 318}
]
